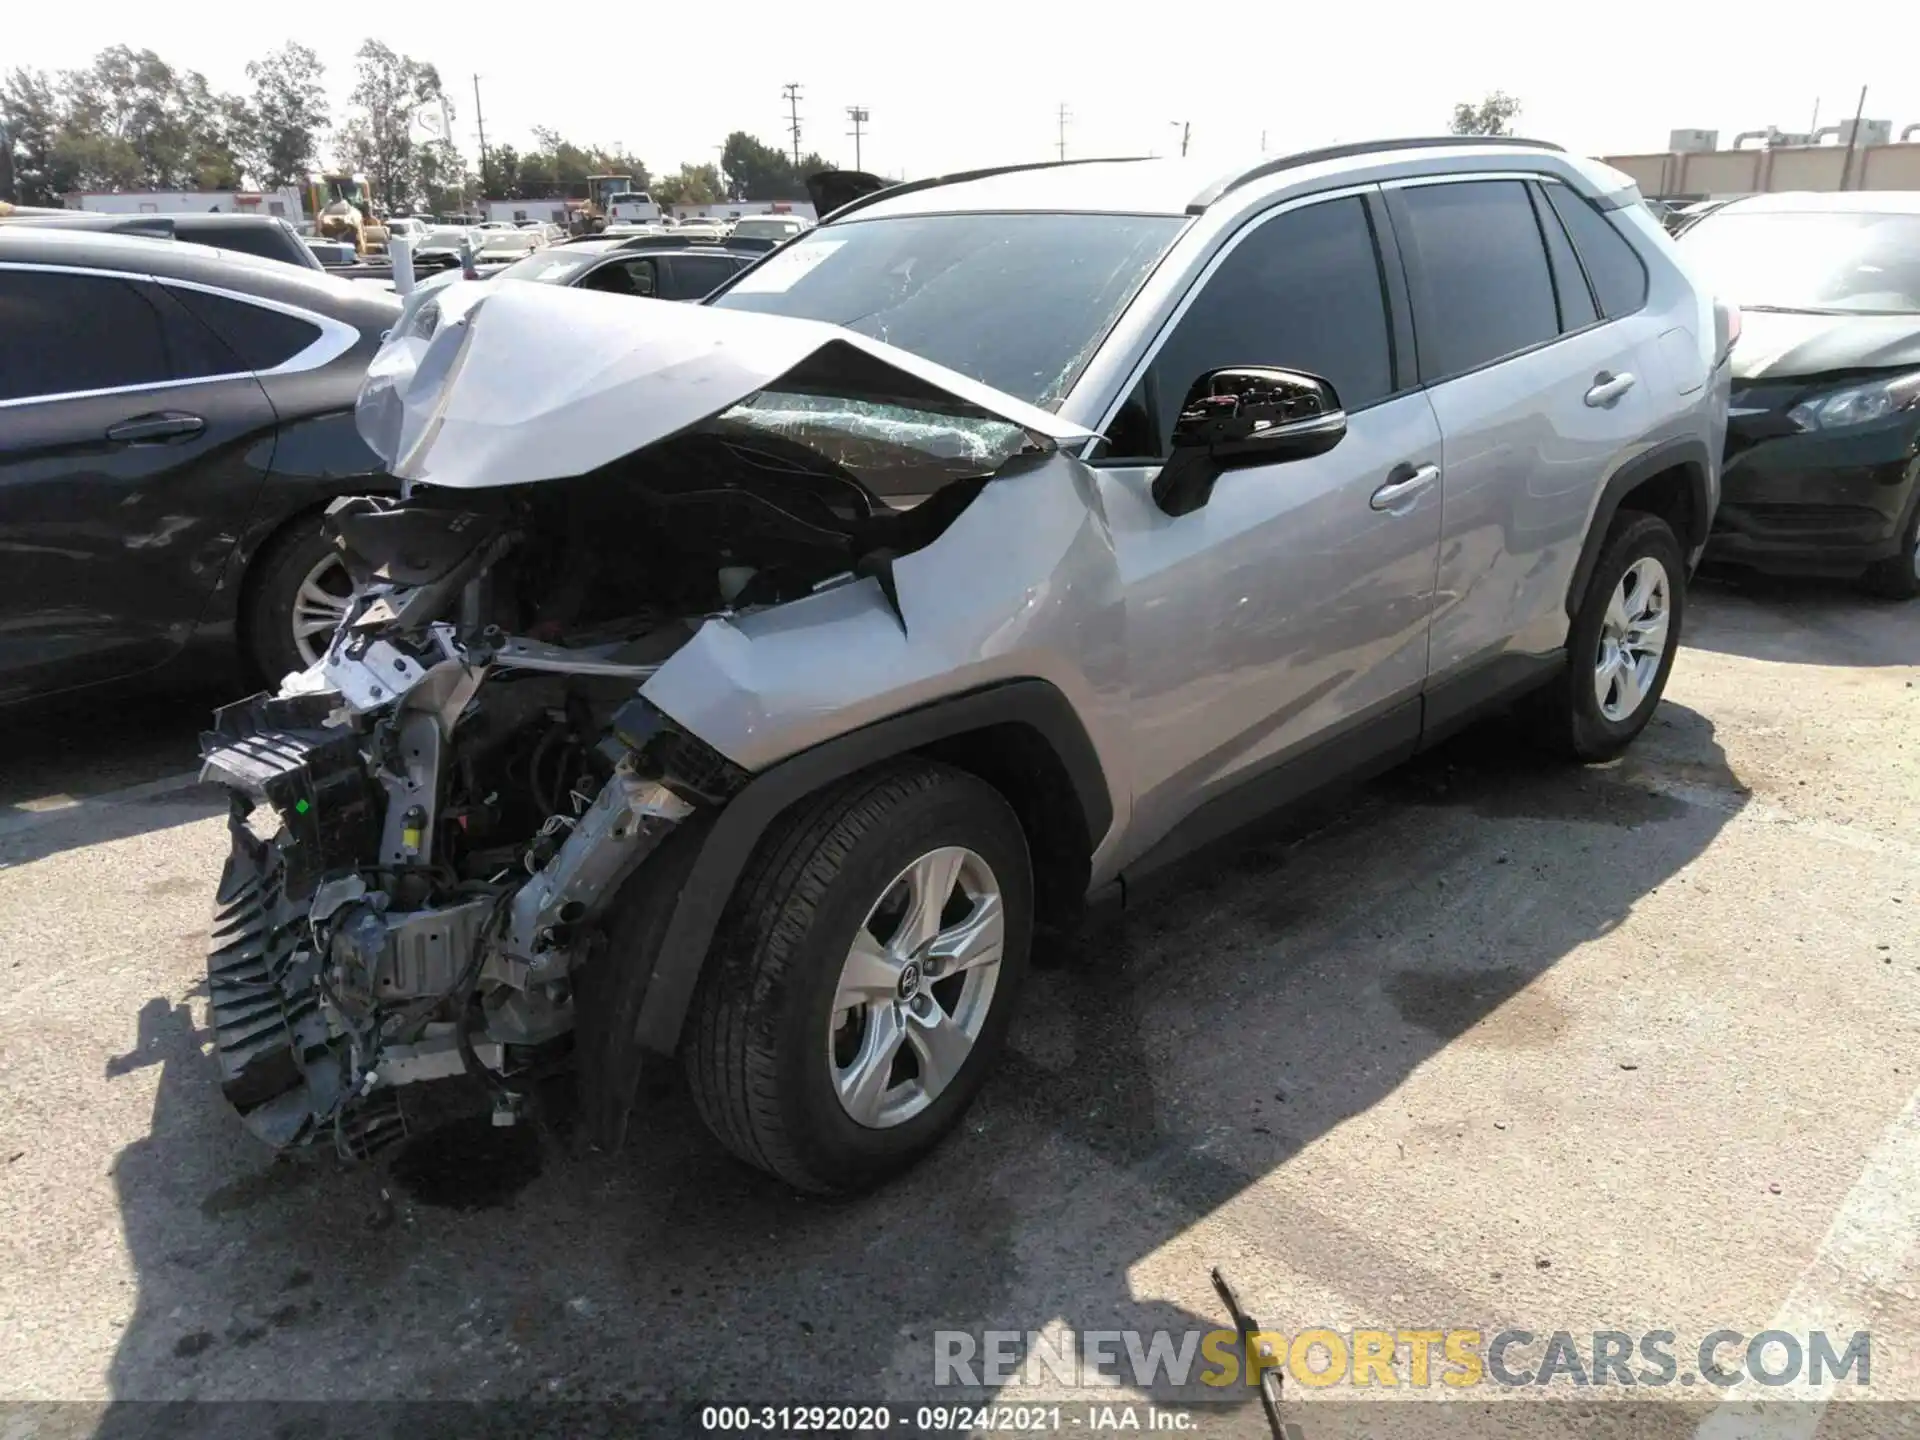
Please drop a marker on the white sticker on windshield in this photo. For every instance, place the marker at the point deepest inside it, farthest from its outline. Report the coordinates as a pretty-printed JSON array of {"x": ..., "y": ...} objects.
[{"x": 783, "y": 271}]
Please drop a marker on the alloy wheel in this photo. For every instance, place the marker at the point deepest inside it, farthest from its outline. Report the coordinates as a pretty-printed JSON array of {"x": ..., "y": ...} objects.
[
  {"x": 319, "y": 605},
  {"x": 1633, "y": 638},
  {"x": 916, "y": 987}
]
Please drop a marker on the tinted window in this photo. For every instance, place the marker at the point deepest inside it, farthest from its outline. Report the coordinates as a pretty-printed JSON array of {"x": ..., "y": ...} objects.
[
  {"x": 264, "y": 241},
  {"x": 1486, "y": 291},
  {"x": 1017, "y": 301},
  {"x": 75, "y": 332},
  {"x": 262, "y": 338},
  {"x": 695, "y": 275},
  {"x": 1569, "y": 282},
  {"x": 622, "y": 277},
  {"x": 1301, "y": 292},
  {"x": 1619, "y": 279}
]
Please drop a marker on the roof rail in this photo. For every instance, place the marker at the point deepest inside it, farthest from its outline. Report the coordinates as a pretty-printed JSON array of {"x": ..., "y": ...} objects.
[
  {"x": 1229, "y": 183},
  {"x": 908, "y": 187}
]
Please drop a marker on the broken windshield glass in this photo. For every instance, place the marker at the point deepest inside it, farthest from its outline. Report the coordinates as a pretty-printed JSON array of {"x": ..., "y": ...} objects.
[
  {"x": 918, "y": 450},
  {"x": 1017, "y": 302}
]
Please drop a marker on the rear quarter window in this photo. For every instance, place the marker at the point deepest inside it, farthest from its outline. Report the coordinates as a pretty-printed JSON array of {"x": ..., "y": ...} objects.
[
  {"x": 1611, "y": 262},
  {"x": 261, "y": 338}
]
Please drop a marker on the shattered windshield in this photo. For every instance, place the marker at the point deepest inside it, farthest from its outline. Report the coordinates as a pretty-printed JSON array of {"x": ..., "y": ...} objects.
[
  {"x": 918, "y": 449},
  {"x": 1016, "y": 301}
]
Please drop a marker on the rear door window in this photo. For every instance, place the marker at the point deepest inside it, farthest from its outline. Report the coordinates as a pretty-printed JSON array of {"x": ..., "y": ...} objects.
[
  {"x": 69, "y": 333},
  {"x": 1612, "y": 264},
  {"x": 1482, "y": 288},
  {"x": 696, "y": 275},
  {"x": 1577, "y": 310}
]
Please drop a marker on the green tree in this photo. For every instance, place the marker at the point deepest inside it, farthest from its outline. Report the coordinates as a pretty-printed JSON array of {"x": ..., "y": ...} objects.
[
  {"x": 1494, "y": 115},
  {"x": 33, "y": 112},
  {"x": 284, "y": 116},
  {"x": 754, "y": 170},
  {"x": 690, "y": 185},
  {"x": 378, "y": 138},
  {"x": 500, "y": 176}
]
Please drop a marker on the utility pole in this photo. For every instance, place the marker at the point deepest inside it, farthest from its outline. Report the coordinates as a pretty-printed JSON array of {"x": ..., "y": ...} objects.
[
  {"x": 791, "y": 94},
  {"x": 1185, "y": 127},
  {"x": 1063, "y": 118},
  {"x": 858, "y": 115},
  {"x": 481, "y": 121},
  {"x": 1853, "y": 137}
]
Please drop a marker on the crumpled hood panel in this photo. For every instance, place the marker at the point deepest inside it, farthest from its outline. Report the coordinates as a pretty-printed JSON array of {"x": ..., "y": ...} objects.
[
  {"x": 1789, "y": 346},
  {"x": 521, "y": 383}
]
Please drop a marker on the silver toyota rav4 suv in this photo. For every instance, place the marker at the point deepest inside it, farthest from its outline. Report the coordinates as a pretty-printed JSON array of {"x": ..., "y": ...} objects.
[{"x": 753, "y": 685}]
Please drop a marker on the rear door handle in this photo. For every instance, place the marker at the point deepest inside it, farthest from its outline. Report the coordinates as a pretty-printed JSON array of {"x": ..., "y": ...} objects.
[
  {"x": 160, "y": 427},
  {"x": 1608, "y": 388},
  {"x": 1403, "y": 483}
]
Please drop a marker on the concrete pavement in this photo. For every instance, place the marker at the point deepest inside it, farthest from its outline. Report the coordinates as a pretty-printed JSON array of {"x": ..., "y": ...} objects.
[{"x": 1492, "y": 1044}]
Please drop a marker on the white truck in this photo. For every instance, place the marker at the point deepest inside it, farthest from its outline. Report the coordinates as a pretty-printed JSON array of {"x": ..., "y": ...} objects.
[{"x": 632, "y": 207}]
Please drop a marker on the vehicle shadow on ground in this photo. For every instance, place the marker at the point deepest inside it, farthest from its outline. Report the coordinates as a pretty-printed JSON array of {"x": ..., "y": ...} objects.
[
  {"x": 65, "y": 757},
  {"x": 1166, "y": 1063},
  {"x": 1800, "y": 622}
]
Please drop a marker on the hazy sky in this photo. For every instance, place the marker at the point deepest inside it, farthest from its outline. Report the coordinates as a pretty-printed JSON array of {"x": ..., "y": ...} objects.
[{"x": 980, "y": 83}]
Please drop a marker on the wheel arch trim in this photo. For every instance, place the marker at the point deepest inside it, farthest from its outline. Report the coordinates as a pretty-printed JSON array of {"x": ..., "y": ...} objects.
[
  {"x": 728, "y": 847},
  {"x": 1688, "y": 454}
]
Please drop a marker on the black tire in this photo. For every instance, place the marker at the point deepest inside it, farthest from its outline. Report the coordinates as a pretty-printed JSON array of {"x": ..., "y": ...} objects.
[
  {"x": 1567, "y": 714},
  {"x": 267, "y": 647},
  {"x": 756, "y": 1055},
  {"x": 1898, "y": 576}
]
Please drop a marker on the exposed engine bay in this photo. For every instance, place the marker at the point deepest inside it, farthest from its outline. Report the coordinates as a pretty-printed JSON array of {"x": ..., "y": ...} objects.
[{"x": 431, "y": 823}]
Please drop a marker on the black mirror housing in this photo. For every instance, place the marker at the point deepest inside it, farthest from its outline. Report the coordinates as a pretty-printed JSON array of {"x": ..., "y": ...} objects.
[{"x": 1245, "y": 415}]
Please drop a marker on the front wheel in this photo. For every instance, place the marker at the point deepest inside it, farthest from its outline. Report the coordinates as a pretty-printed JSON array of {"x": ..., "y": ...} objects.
[
  {"x": 1621, "y": 646},
  {"x": 862, "y": 983},
  {"x": 297, "y": 596},
  {"x": 1898, "y": 576}
]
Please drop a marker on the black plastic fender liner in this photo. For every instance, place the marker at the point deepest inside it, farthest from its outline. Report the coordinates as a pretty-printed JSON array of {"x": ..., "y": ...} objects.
[
  {"x": 663, "y": 976},
  {"x": 1685, "y": 453}
]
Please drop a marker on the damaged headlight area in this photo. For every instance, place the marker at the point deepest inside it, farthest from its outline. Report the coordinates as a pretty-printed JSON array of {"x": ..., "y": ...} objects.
[{"x": 433, "y": 824}]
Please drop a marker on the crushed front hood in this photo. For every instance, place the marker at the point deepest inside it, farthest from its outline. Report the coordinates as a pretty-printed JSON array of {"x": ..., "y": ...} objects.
[
  {"x": 1776, "y": 345},
  {"x": 508, "y": 384}
]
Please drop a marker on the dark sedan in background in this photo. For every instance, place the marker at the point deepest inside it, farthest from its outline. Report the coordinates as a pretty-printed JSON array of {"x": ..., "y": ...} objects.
[
  {"x": 265, "y": 236},
  {"x": 173, "y": 421},
  {"x": 1823, "y": 436}
]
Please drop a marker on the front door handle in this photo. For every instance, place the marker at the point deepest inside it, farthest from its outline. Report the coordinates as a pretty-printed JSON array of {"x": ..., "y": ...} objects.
[
  {"x": 1403, "y": 483},
  {"x": 1608, "y": 388},
  {"x": 150, "y": 429}
]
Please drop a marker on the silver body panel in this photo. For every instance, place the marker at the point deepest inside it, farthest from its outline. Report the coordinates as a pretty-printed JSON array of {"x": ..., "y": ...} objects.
[{"x": 1195, "y": 649}]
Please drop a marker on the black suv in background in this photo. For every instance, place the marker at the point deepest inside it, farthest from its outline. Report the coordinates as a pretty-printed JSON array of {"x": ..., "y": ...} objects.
[
  {"x": 1823, "y": 439},
  {"x": 173, "y": 420},
  {"x": 267, "y": 237}
]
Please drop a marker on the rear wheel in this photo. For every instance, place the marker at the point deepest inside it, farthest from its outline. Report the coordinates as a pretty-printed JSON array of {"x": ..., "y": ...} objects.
[
  {"x": 1621, "y": 646},
  {"x": 861, "y": 986}
]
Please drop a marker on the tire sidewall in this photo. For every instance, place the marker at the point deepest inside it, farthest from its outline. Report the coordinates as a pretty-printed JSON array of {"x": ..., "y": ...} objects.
[
  {"x": 266, "y": 620},
  {"x": 961, "y": 811},
  {"x": 1639, "y": 538}
]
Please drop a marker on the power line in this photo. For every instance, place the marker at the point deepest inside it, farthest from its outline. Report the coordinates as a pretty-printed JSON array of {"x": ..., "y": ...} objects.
[
  {"x": 858, "y": 115},
  {"x": 790, "y": 92}
]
